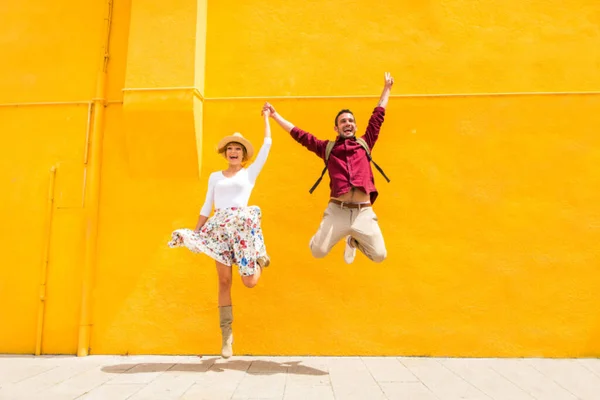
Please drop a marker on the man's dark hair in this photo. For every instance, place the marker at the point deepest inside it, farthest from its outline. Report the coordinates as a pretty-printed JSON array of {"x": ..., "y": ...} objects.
[{"x": 345, "y": 110}]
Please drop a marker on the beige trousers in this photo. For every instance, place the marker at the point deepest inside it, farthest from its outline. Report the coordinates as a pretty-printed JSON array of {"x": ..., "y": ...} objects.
[{"x": 339, "y": 222}]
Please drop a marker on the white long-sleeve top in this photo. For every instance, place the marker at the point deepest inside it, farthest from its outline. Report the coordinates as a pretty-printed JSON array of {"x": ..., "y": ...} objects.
[{"x": 235, "y": 191}]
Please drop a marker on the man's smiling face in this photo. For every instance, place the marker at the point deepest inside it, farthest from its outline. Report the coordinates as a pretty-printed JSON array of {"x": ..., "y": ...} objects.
[{"x": 345, "y": 125}]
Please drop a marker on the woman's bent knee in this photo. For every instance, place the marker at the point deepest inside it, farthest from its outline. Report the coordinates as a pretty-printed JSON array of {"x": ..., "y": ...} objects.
[
  {"x": 250, "y": 281},
  {"x": 250, "y": 284}
]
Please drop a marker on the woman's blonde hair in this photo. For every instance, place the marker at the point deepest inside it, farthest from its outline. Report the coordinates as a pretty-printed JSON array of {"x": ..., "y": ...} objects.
[{"x": 224, "y": 149}]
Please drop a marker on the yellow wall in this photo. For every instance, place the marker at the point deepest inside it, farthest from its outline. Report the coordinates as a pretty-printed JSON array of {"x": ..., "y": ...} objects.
[
  {"x": 492, "y": 218},
  {"x": 49, "y": 55}
]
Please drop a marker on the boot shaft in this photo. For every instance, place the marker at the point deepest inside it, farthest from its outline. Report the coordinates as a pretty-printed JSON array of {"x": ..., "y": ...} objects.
[{"x": 225, "y": 316}]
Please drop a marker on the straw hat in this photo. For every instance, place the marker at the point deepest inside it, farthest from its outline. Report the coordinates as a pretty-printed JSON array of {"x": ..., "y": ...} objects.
[{"x": 236, "y": 137}]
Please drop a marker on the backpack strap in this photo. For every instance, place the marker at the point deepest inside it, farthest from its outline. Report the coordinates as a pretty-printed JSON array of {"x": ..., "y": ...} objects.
[
  {"x": 328, "y": 149},
  {"x": 364, "y": 144},
  {"x": 312, "y": 189}
]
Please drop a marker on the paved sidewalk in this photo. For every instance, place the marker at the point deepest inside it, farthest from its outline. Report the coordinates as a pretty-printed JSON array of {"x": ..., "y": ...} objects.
[{"x": 302, "y": 378}]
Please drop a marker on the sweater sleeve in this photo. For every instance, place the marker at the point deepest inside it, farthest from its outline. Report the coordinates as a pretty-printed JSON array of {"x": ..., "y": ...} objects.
[
  {"x": 372, "y": 132},
  {"x": 309, "y": 141}
]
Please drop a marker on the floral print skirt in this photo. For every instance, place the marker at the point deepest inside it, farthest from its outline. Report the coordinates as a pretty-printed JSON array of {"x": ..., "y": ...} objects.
[{"x": 231, "y": 236}]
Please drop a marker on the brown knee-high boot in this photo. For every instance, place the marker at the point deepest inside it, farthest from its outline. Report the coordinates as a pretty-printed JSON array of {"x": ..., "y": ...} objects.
[{"x": 226, "y": 318}]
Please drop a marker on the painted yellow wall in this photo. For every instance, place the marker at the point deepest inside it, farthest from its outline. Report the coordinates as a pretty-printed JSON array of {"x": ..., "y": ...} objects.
[
  {"x": 492, "y": 218},
  {"x": 49, "y": 55}
]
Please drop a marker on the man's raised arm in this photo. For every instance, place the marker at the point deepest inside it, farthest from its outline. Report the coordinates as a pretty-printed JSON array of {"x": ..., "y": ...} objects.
[
  {"x": 285, "y": 124},
  {"x": 387, "y": 88},
  {"x": 372, "y": 132},
  {"x": 306, "y": 139}
]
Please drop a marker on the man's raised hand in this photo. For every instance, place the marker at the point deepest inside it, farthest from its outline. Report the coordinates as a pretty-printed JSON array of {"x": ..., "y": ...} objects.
[{"x": 389, "y": 80}]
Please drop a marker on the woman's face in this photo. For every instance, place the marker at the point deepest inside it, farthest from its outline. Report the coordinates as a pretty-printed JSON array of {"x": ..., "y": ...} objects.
[{"x": 234, "y": 154}]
